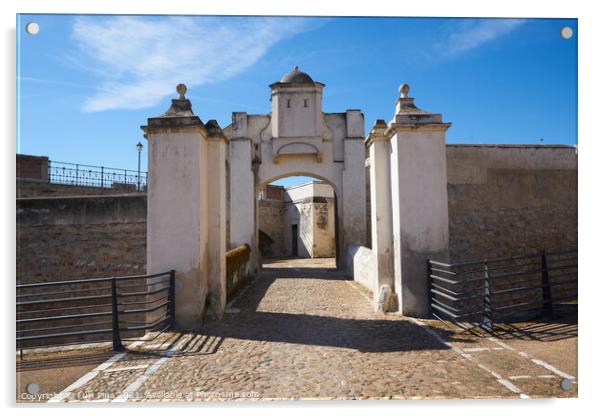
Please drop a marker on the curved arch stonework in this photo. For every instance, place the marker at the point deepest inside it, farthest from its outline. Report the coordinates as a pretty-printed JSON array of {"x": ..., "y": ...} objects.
[{"x": 307, "y": 173}]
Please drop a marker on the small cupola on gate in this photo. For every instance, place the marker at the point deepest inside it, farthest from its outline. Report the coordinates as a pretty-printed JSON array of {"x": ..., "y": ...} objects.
[{"x": 297, "y": 120}]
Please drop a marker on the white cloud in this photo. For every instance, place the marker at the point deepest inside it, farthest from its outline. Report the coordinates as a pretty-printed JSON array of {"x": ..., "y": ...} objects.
[
  {"x": 472, "y": 33},
  {"x": 140, "y": 59}
]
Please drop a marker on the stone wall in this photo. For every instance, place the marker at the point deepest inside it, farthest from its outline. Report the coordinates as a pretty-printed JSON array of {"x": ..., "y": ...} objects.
[
  {"x": 511, "y": 200},
  {"x": 275, "y": 192},
  {"x": 70, "y": 237},
  {"x": 271, "y": 224},
  {"x": 32, "y": 167},
  {"x": 323, "y": 228},
  {"x": 28, "y": 188}
]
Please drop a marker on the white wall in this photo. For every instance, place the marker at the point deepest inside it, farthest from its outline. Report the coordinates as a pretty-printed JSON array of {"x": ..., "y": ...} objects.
[
  {"x": 420, "y": 215},
  {"x": 186, "y": 215},
  {"x": 177, "y": 217},
  {"x": 360, "y": 264}
]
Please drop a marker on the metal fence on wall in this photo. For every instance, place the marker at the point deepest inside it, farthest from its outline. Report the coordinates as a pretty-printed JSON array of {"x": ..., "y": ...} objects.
[
  {"x": 94, "y": 310},
  {"x": 487, "y": 291},
  {"x": 74, "y": 174}
]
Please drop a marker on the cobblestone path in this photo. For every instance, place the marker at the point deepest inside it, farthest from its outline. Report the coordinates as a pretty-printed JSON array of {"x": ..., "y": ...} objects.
[{"x": 309, "y": 333}]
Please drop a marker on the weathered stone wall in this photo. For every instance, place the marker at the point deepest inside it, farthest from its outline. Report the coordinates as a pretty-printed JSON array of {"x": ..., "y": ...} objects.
[
  {"x": 511, "y": 200},
  {"x": 271, "y": 224},
  {"x": 324, "y": 229},
  {"x": 273, "y": 192},
  {"x": 32, "y": 167},
  {"x": 310, "y": 207},
  {"x": 70, "y": 237},
  {"x": 28, "y": 188}
]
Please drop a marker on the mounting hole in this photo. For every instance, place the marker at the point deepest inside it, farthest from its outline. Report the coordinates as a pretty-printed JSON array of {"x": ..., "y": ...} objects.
[
  {"x": 32, "y": 28},
  {"x": 32, "y": 388},
  {"x": 566, "y": 32},
  {"x": 566, "y": 384}
]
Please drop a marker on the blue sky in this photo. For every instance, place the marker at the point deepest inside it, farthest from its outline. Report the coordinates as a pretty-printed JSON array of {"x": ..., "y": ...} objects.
[{"x": 86, "y": 83}]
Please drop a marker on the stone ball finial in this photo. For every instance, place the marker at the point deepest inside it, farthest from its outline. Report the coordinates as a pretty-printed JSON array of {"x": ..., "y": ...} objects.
[
  {"x": 181, "y": 89},
  {"x": 404, "y": 90}
]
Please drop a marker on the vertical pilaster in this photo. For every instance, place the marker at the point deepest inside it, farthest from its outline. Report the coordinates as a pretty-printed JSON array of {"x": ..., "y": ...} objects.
[
  {"x": 354, "y": 182},
  {"x": 380, "y": 207},
  {"x": 242, "y": 186},
  {"x": 216, "y": 213}
]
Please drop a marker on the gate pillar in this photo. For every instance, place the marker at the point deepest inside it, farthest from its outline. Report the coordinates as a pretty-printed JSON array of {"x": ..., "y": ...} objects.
[
  {"x": 181, "y": 176},
  {"x": 419, "y": 199}
]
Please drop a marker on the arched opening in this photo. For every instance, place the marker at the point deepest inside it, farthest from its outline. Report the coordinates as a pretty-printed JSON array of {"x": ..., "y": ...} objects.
[{"x": 299, "y": 214}]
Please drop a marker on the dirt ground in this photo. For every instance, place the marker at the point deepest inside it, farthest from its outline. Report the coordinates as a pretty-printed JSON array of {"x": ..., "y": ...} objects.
[{"x": 53, "y": 371}]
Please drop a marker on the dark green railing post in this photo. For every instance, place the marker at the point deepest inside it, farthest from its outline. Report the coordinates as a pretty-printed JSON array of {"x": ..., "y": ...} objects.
[
  {"x": 545, "y": 284},
  {"x": 487, "y": 315},
  {"x": 429, "y": 272},
  {"x": 117, "y": 345},
  {"x": 172, "y": 298}
]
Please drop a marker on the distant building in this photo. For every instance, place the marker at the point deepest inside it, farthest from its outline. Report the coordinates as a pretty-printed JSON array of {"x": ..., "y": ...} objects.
[{"x": 298, "y": 221}]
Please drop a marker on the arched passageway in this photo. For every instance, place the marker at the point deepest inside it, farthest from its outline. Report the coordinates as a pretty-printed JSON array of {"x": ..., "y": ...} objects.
[{"x": 297, "y": 218}]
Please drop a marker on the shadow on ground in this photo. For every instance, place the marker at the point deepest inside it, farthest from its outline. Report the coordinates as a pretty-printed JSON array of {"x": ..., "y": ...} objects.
[
  {"x": 562, "y": 324},
  {"x": 365, "y": 335}
]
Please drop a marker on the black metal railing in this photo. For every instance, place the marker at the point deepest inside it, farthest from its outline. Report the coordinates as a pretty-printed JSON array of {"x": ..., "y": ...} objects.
[
  {"x": 487, "y": 291},
  {"x": 94, "y": 310},
  {"x": 74, "y": 174}
]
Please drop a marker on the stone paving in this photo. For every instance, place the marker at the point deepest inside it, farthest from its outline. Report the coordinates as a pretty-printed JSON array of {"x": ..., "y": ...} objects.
[{"x": 309, "y": 333}]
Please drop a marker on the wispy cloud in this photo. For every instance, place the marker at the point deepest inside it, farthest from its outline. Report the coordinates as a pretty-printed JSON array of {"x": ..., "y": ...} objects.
[
  {"x": 473, "y": 33},
  {"x": 54, "y": 82},
  {"x": 139, "y": 60}
]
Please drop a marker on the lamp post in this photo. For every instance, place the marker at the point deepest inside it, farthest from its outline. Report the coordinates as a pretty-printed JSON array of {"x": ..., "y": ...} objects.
[{"x": 139, "y": 147}]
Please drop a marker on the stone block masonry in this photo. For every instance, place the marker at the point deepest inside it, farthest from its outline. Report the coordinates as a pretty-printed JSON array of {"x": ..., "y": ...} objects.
[
  {"x": 77, "y": 237},
  {"x": 271, "y": 226},
  {"x": 32, "y": 167},
  {"x": 30, "y": 188},
  {"x": 509, "y": 200}
]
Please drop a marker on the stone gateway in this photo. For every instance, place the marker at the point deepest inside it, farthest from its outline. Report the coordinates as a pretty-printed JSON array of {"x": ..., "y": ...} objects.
[{"x": 396, "y": 190}]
